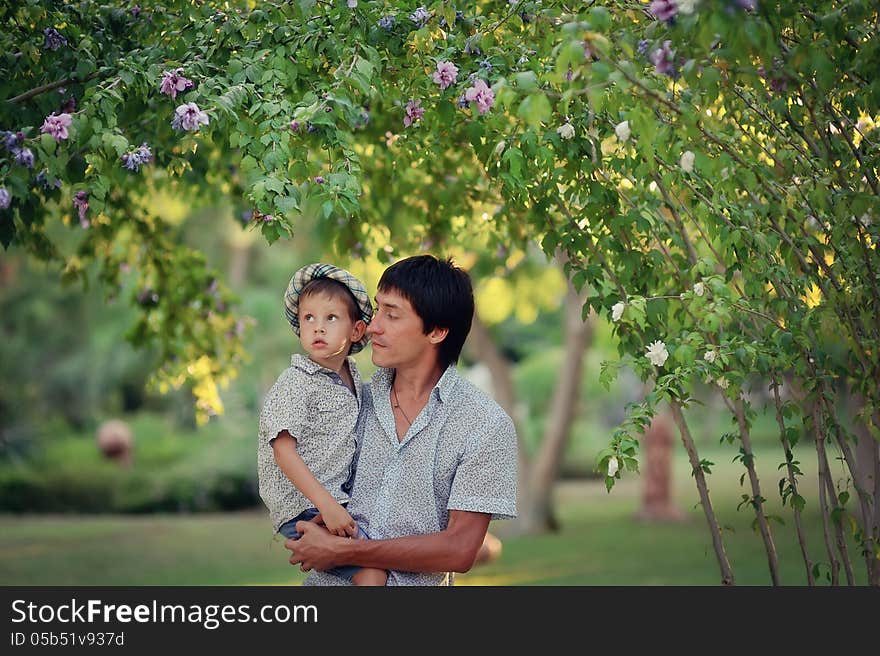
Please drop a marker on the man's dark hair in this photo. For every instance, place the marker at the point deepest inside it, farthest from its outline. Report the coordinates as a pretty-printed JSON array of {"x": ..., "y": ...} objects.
[
  {"x": 441, "y": 294},
  {"x": 333, "y": 289}
]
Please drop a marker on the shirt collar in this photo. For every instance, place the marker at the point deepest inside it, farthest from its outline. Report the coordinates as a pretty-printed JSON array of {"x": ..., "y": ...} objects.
[
  {"x": 383, "y": 378},
  {"x": 303, "y": 363}
]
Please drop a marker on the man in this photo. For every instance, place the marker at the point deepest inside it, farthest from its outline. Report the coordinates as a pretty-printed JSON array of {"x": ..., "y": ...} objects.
[{"x": 437, "y": 458}]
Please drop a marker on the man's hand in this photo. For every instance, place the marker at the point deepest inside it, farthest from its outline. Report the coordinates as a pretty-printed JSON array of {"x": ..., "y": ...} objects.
[
  {"x": 316, "y": 549},
  {"x": 338, "y": 521}
]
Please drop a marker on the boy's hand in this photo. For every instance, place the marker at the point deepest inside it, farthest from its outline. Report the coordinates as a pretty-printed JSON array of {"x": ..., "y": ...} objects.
[{"x": 338, "y": 521}]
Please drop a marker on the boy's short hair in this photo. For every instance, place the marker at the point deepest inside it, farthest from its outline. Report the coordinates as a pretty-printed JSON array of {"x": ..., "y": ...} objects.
[
  {"x": 441, "y": 294},
  {"x": 336, "y": 290}
]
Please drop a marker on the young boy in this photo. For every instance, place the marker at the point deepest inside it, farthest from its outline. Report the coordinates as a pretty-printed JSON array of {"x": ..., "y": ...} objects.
[{"x": 309, "y": 418}]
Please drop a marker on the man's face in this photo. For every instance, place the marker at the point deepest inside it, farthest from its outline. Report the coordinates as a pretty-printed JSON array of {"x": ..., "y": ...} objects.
[{"x": 396, "y": 332}]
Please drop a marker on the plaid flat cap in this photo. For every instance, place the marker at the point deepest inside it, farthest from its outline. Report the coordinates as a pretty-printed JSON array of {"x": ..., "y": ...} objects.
[{"x": 318, "y": 270}]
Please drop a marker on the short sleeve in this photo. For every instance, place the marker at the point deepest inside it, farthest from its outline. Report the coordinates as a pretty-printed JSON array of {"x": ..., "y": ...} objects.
[
  {"x": 485, "y": 480},
  {"x": 284, "y": 407}
]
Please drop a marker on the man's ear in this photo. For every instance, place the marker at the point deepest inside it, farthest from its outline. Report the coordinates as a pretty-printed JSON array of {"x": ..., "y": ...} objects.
[
  {"x": 358, "y": 330},
  {"x": 438, "y": 335}
]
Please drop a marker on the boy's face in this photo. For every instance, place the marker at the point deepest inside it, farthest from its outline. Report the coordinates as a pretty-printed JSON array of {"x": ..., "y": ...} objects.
[
  {"x": 397, "y": 333},
  {"x": 326, "y": 330}
]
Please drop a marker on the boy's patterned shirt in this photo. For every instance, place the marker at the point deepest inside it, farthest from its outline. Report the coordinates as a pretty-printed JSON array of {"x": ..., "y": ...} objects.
[{"x": 316, "y": 408}]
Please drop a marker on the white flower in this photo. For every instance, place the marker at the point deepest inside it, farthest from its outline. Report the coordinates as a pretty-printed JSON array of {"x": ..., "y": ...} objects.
[
  {"x": 617, "y": 310},
  {"x": 613, "y": 465},
  {"x": 657, "y": 353},
  {"x": 566, "y": 130},
  {"x": 687, "y": 161},
  {"x": 723, "y": 383},
  {"x": 686, "y": 6},
  {"x": 710, "y": 356},
  {"x": 622, "y": 131},
  {"x": 699, "y": 289}
]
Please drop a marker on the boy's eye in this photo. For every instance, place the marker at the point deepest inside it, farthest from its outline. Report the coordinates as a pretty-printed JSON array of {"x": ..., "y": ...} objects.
[
  {"x": 332, "y": 317},
  {"x": 307, "y": 317}
]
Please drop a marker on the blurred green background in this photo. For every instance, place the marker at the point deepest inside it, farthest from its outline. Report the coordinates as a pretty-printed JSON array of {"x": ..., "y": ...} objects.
[{"x": 186, "y": 509}]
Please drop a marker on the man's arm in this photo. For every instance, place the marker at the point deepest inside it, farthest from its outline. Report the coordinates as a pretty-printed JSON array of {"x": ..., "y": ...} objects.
[{"x": 453, "y": 549}]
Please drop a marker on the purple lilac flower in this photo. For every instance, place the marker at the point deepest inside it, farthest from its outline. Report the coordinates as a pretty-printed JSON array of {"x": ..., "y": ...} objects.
[
  {"x": 148, "y": 297},
  {"x": 5, "y": 199},
  {"x": 420, "y": 16},
  {"x": 10, "y": 139},
  {"x": 69, "y": 106},
  {"x": 54, "y": 39},
  {"x": 294, "y": 126},
  {"x": 664, "y": 10},
  {"x": 188, "y": 117},
  {"x": 81, "y": 203},
  {"x": 57, "y": 125},
  {"x": 133, "y": 160},
  {"x": 569, "y": 74},
  {"x": 352, "y": 3},
  {"x": 481, "y": 94},
  {"x": 268, "y": 218},
  {"x": 136, "y": 11},
  {"x": 588, "y": 51},
  {"x": 387, "y": 23},
  {"x": 23, "y": 156},
  {"x": 471, "y": 47},
  {"x": 173, "y": 83},
  {"x": 642, "y": 48},
  {"x": 42, "y": 180},
  {"x": 319, "y": 179},
  {"x": 459, "y": 15},
  {"x": 414, "y": 112},
  {"x": 446, "y": 75},
  {"x": 662, "y": 58}
]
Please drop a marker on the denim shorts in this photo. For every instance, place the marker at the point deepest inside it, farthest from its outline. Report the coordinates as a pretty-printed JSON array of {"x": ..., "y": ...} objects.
[{"x": 288, "y": 530}]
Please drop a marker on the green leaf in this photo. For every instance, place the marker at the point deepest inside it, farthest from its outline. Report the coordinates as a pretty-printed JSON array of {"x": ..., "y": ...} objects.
[
  {"x": 527, "y": 81},
  {"x": 535, "y": 109}
]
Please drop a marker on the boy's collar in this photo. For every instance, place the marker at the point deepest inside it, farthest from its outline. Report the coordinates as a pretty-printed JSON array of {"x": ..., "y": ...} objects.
[{"x": 306, "y": 364}]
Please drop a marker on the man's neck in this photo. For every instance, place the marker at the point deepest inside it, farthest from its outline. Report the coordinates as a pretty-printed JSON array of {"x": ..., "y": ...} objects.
[{"x": 417, "y": 381}]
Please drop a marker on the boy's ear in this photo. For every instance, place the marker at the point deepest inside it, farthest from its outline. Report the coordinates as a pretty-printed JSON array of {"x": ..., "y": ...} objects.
[
  {"x": 358, "y": 330},
  {"x": 437, "y": 335}
]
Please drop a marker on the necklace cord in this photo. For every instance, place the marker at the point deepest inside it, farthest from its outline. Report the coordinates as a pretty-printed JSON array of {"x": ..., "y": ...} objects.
[{"x": 397, "y": 405}]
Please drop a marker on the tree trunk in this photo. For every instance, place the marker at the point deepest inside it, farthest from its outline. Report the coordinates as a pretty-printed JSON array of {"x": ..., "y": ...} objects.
[
  {"x": 536, "y": 515},
  {"x": 657, "y": 443},
  {"x": 867, "y": 457},
  {"x": 536, "y": 479}
]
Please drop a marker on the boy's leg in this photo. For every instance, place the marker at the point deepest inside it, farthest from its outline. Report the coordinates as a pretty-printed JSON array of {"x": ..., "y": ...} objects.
[{"x": 369, "y": 576}]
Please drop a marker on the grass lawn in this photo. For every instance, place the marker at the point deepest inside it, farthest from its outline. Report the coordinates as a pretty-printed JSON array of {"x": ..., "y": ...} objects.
[{"x": 599, "y": 544}]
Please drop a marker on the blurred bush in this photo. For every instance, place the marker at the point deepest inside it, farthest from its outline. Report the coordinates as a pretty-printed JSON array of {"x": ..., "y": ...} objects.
[{"x": 172, "y": 472}]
